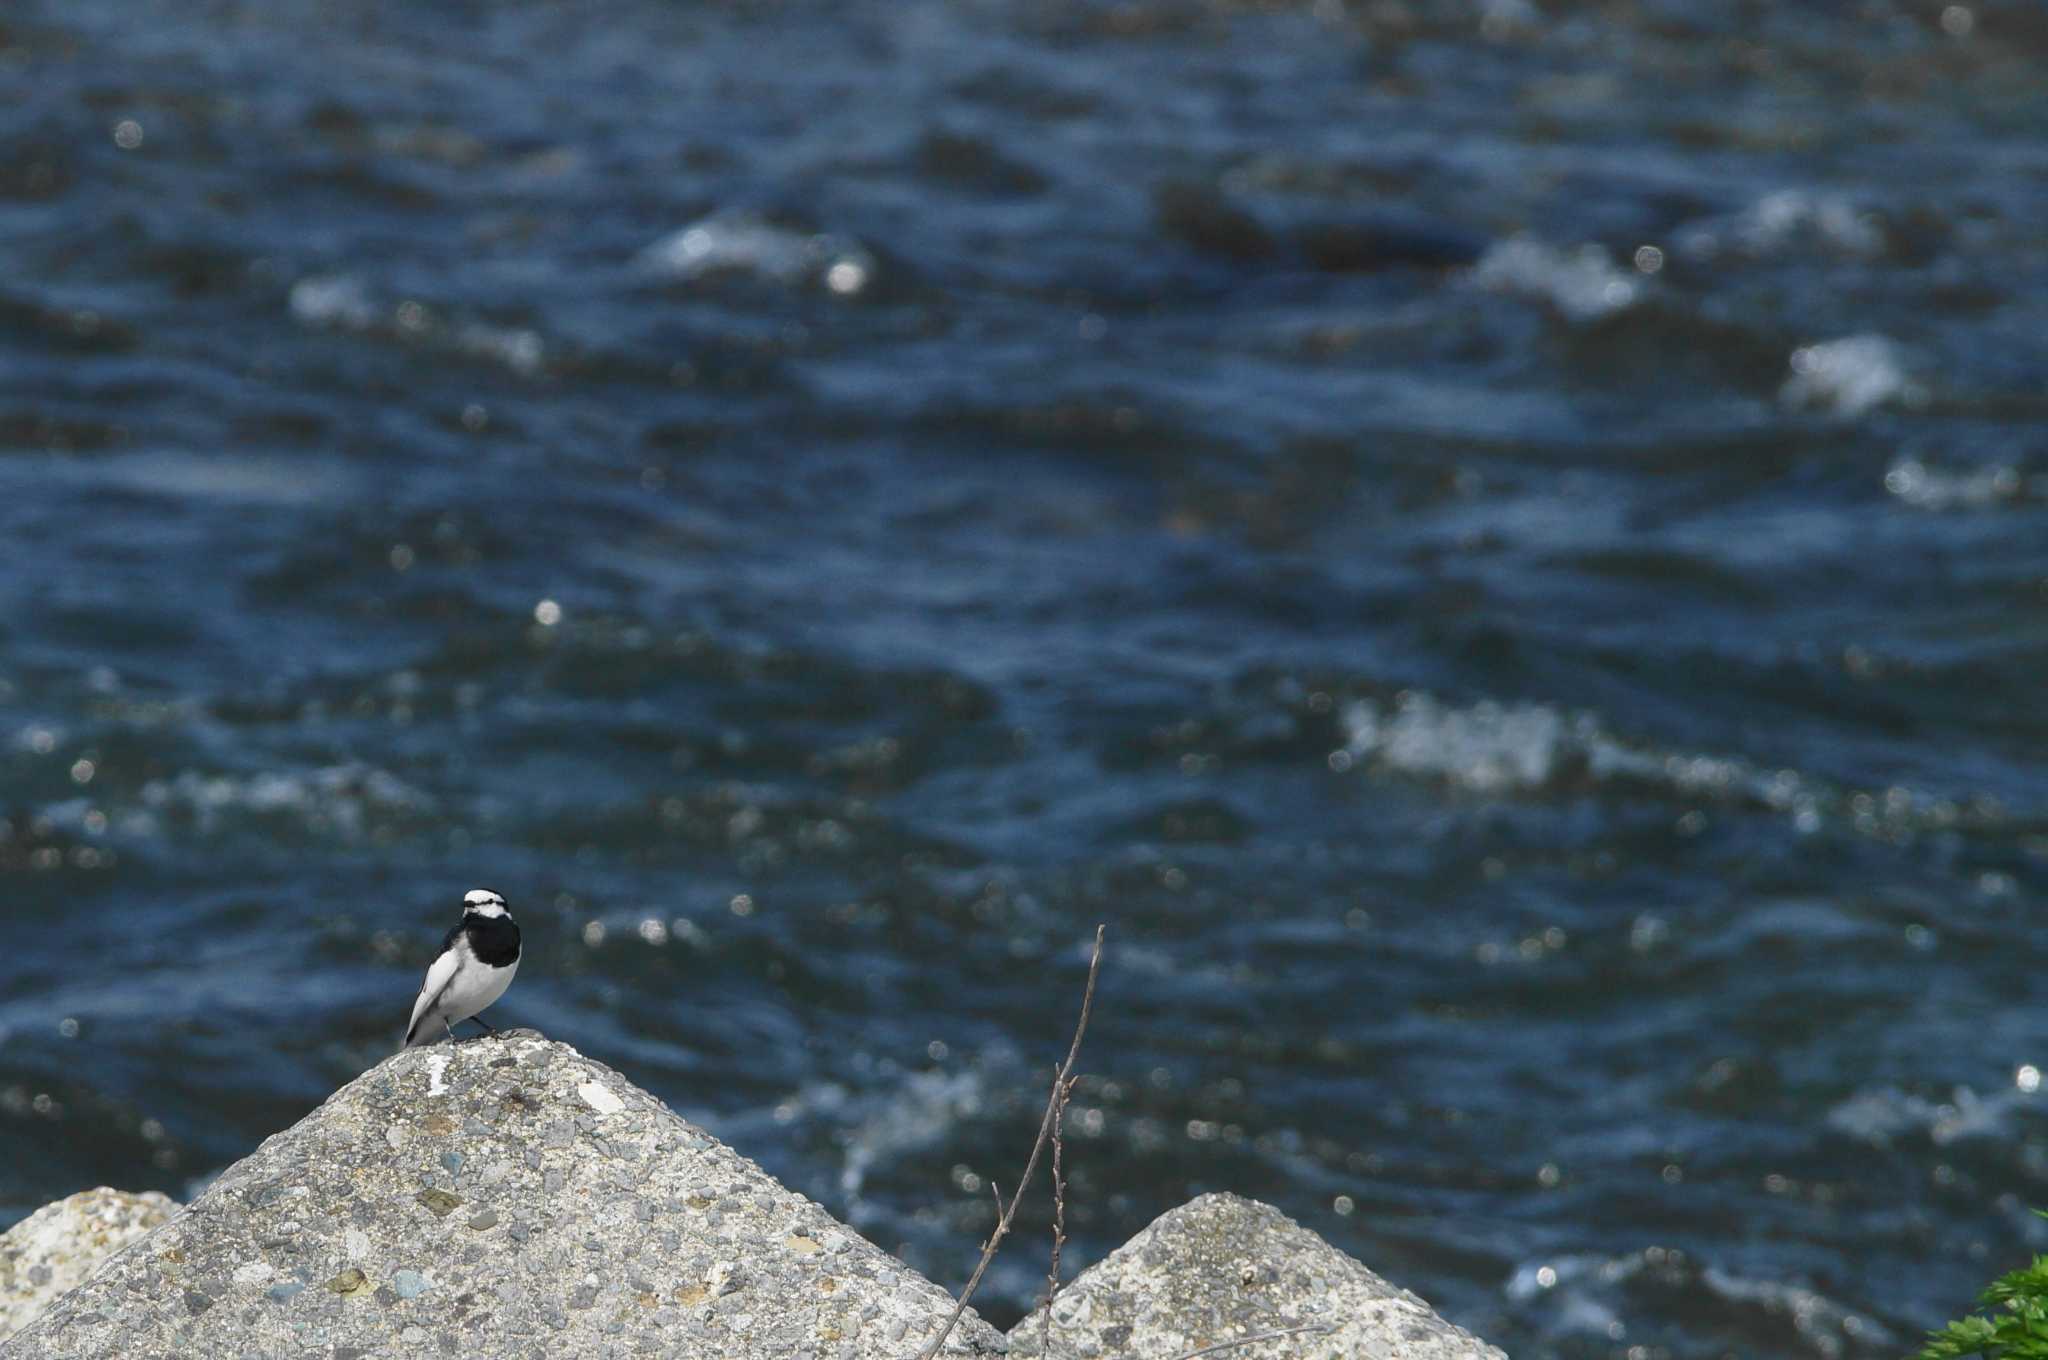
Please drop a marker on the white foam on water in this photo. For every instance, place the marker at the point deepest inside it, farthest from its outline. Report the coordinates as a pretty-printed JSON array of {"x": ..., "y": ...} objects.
[
  {"x": 1584, "y": 284},
  {"x": 1488, "y": 747},
  {"x": 337, "y": 798},
  {"x": 1589, "y": 1295},
  {"x": 743, "y": 242},
  {"x": 917, "y": 1115},
  {"x": 1882, "y": 1114},
  {"x": 1849, "y": 377},
  {"x": 1499, "y": 750},
  {"x": 1786, "y": 220},
  {"x": 1822, "y": 1323},
  {"x": 1925, "y": 487},
  {"x": 344, "y": 302},
  {"x": 336, "y": 300}
]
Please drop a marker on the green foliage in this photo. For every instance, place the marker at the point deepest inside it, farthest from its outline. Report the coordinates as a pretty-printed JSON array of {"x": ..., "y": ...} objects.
[{"x": 2013, "y": 1324}]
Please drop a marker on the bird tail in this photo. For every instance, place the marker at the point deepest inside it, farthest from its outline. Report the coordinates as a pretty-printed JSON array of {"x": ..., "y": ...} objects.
[{"x": 421, "y": 1032}]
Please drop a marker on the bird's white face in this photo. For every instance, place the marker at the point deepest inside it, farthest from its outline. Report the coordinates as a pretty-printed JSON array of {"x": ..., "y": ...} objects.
[{"x": 482, "y": 902}]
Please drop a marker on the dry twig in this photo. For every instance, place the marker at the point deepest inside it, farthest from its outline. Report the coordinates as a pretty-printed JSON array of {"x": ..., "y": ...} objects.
[
  {"x": 1045, "y": 1126},
  {"x": 1256, "y": 1336},
  {"x": 1062, "y": 1093}
]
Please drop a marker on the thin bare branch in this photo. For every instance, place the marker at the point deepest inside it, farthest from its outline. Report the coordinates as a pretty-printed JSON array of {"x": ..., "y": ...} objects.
[
  {"x": 1063, "y": 1091},
  {"x": 995, "y": 1241},
  {"x": 1256, "y": 1336}
]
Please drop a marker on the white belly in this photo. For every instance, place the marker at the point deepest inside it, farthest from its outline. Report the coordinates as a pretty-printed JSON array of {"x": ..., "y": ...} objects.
[{"x": 473, "y": 988}]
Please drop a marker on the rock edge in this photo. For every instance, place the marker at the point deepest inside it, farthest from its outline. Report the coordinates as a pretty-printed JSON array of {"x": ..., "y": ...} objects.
[
  {"x": 509, "y": 1197},
  {"x": 51, "y": 1251},
  {"x": 1220, "y": 1269},
  {"x": 501, "y": 1197}
]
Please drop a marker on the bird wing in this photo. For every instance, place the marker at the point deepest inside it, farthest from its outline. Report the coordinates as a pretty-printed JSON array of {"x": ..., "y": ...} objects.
[{"x": 438, "y": 977}]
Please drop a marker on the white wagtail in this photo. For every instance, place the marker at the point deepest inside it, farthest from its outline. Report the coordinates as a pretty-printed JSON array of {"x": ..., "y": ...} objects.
[{"x": 476, "y": 965}]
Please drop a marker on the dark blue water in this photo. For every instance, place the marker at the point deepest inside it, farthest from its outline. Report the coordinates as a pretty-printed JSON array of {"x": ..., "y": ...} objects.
[{"x": 1502, "y": 548}]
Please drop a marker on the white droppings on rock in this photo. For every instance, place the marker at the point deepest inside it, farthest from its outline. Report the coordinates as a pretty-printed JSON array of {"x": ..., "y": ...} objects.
[
  {"x": 600, "y": 1097},
  {"x": 437, "y": 1074},
  {"x": 355, "y": 1244},
  {"x": 256, "y": 1272}
]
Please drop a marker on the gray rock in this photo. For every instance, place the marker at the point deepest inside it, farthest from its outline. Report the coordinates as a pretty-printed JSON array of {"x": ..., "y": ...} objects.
[
  {"x": 1220, "y": 1268},
  {"x": 58, "y": 1245},
  {"x": 388, "y": 1254}
]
